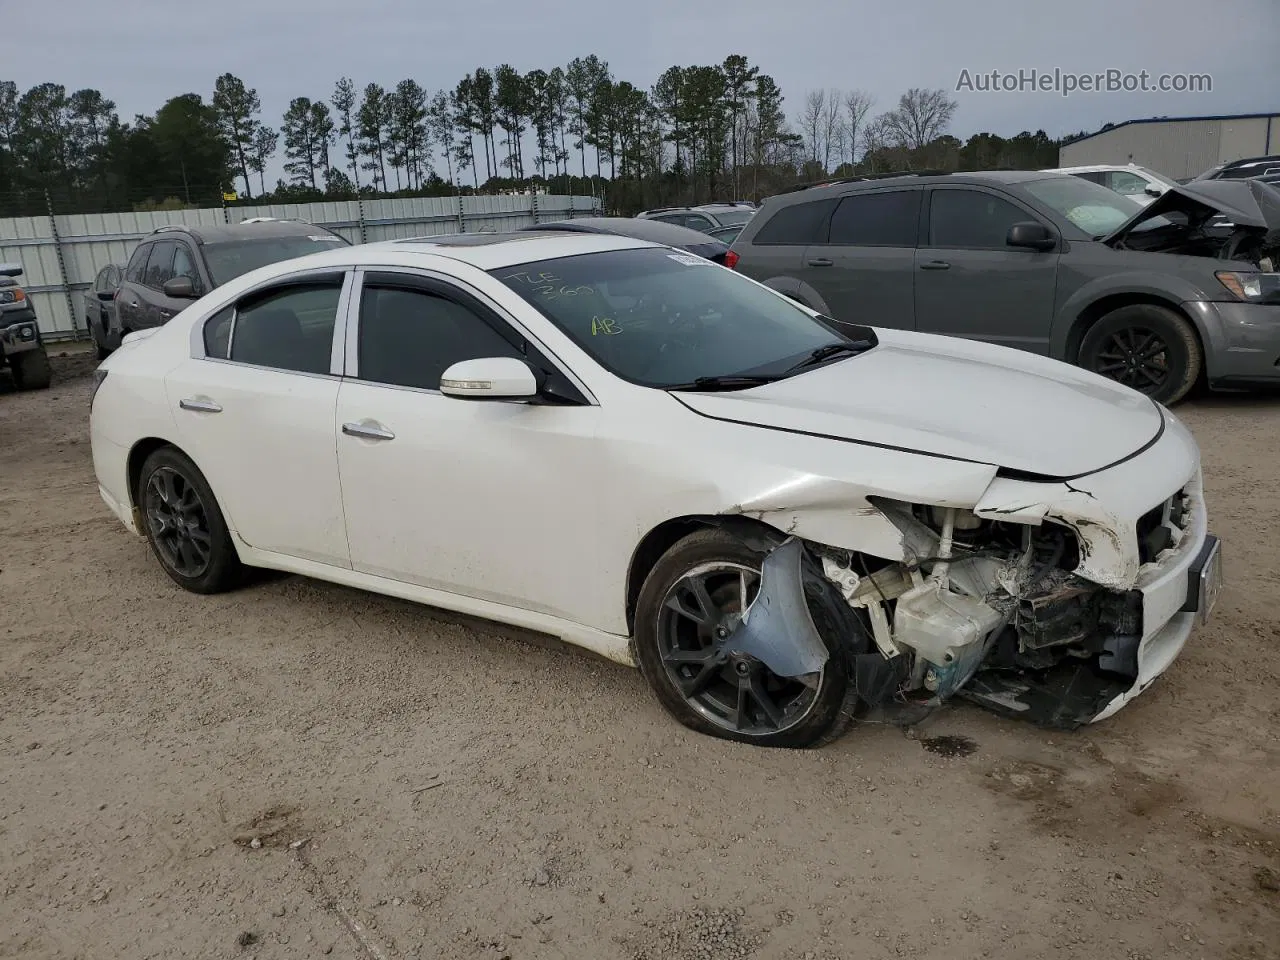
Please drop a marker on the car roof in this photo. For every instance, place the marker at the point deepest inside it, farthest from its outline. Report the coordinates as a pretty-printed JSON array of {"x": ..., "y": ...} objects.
[
  {"x": 1095, "y": 168},
  {"x": 809, "y": 192},
  {"x": 258, "y": 230},
  {"x": 656, "y": 231},
  {"x": 488, "y": 251}
]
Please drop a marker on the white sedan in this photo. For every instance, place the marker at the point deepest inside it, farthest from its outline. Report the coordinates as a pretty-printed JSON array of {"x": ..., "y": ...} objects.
[{"x": 782, "y": 520}]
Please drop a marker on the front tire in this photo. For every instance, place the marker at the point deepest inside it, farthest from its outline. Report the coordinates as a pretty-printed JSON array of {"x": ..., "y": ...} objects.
[
  {"x": 1150, "y": 348},
  {"x": 184, "y": 524},
  {"x": 31, "y": 370},
  {"x": 701, "y": 582}
]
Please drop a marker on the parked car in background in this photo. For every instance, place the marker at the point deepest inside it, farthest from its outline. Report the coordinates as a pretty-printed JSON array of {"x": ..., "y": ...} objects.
[
  {"x": 727, "y": 234},
  {"x": 705, "y": 217},
  {"x": 1243, "y": 169},
  {"x": 100, "y": 309},
  {"x": 648, "y": 455},
  {"x": 1137, "y": 183},
  {"x": 176, "y": 264},
  {"x": 1154, "y": 297},
  {"x": 21, "y": 344},
  {"x": 655, "y": 231}
]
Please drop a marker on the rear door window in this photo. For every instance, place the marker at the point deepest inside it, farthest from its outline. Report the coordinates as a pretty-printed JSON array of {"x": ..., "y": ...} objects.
[{"x": 885, "y": 218}]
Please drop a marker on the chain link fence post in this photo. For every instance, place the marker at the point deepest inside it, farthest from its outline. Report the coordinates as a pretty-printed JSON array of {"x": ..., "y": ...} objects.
[
  {"x": 462, "y": 223},
  {"x": 65, "y": 281},
  {"x": 364, "y": 235}
]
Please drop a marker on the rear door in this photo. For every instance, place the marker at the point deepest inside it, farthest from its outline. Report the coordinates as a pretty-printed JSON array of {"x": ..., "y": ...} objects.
[
  {"x": 971, "y": 283},
  {"x": 774, "y": 253},
  {"x": 155, "y": 308},
  {"x": 864, "y": 269},
  {"x": 256, "y": 413},
  {"x": 129, "y": 300}
]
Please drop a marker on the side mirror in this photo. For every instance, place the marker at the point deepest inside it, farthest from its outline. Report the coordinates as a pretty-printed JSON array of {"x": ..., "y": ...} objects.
[
  {"x": 1152, "y": 190},
  {"x": 490, "y": 378},
  {"x": 180, "y": 288},
  {"x": 1032, "y": 235},
  {"x": 106, "y": 296}
]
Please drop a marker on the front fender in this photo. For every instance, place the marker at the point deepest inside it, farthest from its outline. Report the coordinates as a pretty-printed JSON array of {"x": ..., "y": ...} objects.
[{"x": 1168, "y": 287}]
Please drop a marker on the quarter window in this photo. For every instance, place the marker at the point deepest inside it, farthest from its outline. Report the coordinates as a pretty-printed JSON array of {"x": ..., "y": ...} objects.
[
  {"x": 971, "y": 220},
  {"x": 797, "y": 225},
  {"x": 888, "y": 218},
  {"x": 288, "y": 328},
  {"x": 409, "y": 337}
]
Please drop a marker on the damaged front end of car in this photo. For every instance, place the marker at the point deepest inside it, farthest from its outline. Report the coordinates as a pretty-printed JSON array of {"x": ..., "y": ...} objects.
[
  {"x": 1038, "y": 610},
  {"x": 1231, "y": 220}
]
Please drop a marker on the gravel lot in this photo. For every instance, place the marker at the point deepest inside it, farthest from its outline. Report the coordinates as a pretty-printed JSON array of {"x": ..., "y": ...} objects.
[{"x": 460, "y": 791}]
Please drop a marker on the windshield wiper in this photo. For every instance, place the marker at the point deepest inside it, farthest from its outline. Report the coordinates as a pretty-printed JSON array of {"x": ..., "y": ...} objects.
[
  {"x": 824, "y": 353},
  {"x": 733, "y": 381}
]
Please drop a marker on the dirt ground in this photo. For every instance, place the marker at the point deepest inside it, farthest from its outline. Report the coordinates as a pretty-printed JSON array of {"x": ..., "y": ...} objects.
[{"x": 301, "y": 770}]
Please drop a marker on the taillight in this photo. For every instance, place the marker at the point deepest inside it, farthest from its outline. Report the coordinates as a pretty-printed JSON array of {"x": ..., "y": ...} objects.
[{"x": 730, "y": 259}]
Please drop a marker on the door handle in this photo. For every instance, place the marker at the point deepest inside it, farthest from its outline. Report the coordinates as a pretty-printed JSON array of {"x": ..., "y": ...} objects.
[
  {"x": 166, "y": 314},
  {"x": 820, "y": 262},
  {"x": 935, "y": 265},
  {"x": 200, "y": 406},
  {"x": 368, "y": 431}
]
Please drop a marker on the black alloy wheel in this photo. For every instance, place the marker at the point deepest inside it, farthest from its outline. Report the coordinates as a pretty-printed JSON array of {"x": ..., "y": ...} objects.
[
  {"x": 733, "y": 691},
  {"x": 178, "y": 523}
]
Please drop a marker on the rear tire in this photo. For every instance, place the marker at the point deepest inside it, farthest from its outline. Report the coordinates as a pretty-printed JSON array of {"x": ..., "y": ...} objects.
[
  {"x": 31, "y": 370},
  {"x": 803, "y": 715},
  {"x": 1147, "y": 347},
  {"x": 184, "y": 524}
]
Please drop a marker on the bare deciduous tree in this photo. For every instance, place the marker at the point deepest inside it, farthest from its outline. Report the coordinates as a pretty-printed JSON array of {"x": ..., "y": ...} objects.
[
  {"x": 857, "y": 105},
  {"x": 832, "y": 130},
  {"x": 922, "y": 115},
  {"x": 815, "y": 103}
]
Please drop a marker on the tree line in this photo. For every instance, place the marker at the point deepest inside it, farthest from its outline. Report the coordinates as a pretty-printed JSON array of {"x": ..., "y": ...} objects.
[{"x": 698, "y": 133}]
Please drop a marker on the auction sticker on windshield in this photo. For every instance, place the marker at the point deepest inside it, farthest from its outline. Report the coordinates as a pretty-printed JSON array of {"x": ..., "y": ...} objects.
[{"x": 687, "y": 260}]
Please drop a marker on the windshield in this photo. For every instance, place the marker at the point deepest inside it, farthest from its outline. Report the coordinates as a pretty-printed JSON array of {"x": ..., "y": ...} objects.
[
  {"x": 1090, "y": 206},
  {"x": 662, "y": 319},
  {"x": 229, "y": 259}
]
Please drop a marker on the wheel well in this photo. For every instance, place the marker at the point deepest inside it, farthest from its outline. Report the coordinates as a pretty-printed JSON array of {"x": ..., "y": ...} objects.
[
  {"x": 1100, "y": 308},
  {"x": 666, "y": 535},
  {"x": 137, "y": 457}
]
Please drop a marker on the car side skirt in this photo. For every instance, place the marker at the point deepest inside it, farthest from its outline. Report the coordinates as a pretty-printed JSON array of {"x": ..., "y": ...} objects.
[{"x": 608, "y": 645}]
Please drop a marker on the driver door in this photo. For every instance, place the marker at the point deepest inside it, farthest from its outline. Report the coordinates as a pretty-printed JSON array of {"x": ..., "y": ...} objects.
[{"x": 488, "y": 499}]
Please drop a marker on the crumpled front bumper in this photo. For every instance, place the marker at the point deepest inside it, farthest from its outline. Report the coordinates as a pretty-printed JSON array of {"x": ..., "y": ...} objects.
[{"x": 1104, "y": 509}]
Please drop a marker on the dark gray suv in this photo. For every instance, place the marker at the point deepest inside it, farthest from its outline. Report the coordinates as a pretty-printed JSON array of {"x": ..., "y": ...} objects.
[
  {"x": 174, "y": 265},
  {"x": 1155, "y": 297}
]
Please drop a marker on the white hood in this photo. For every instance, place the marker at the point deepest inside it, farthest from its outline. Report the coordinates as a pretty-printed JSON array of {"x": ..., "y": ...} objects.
[{"x": 955, "y": 398}]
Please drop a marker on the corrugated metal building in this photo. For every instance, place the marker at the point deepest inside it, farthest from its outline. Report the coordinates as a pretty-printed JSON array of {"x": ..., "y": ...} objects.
[
  {"x": 60, "y": 255},
  {"x": 1178, "y": 147}
]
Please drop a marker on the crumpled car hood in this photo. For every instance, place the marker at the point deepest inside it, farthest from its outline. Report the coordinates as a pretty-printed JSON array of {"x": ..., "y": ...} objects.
[
  {"x": 955, "y": 398},
  {"x": 1245, "y": 203}
]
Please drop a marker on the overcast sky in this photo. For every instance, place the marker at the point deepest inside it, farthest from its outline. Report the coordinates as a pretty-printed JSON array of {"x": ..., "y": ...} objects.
[{"x": 146, "y": 51}]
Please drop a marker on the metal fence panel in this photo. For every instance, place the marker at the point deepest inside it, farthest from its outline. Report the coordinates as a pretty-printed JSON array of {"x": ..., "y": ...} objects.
[{"x": 61, "y": 255}]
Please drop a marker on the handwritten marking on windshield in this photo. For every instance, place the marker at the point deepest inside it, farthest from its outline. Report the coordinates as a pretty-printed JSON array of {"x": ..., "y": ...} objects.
[{"x": 604, "y": 325}]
